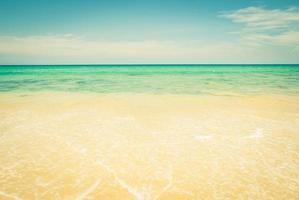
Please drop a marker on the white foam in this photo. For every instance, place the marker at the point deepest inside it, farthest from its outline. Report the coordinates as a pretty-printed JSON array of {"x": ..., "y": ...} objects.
[
  {"x": 257, "y": 134},
  {"x": 203, "y": 137}
]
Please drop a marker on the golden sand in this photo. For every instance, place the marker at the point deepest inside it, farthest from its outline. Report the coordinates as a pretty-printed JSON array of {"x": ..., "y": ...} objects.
[{"x": 148, "y": 147}]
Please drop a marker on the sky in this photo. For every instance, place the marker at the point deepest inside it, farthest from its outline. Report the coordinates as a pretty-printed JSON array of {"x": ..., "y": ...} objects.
[{"x": 148, "y": 31}]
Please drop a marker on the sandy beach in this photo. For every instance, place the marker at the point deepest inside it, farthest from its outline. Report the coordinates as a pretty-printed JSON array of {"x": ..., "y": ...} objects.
[{"x": 59, "y": 145}]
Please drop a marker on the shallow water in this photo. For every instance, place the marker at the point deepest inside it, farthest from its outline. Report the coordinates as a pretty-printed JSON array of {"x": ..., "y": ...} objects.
[{"x": 150, "y": 143}]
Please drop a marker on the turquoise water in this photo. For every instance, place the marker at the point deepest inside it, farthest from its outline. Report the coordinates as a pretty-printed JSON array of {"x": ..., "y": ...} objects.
[{"x": 153, "y": 79}]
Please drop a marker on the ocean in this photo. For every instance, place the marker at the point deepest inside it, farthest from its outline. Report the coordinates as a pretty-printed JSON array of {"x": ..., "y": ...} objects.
[{"x": 153, "y": 79}]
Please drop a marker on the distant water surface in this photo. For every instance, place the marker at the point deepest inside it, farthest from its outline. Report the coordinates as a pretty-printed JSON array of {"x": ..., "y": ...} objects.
[{"x": 153, "y": 79}]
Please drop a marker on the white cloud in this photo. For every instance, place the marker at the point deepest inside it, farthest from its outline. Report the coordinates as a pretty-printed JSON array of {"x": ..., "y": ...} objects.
[
  {"x": 68, "y": 49},
  {"x": 260, "y": 19},
  {"x": 71, "y": 49},
  {"x": 262, "y": 27},
  {"x": 70, "y": 46},
  {"x": 289, "y": 38}
]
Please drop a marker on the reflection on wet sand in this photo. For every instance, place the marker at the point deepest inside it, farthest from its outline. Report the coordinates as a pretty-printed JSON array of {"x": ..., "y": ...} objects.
[{"x": 146, "y": 147}]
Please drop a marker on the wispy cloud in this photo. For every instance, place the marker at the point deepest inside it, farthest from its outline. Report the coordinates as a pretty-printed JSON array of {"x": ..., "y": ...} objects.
[
  {"x": 266, "y": 26},
  {"x": 288, "y": 38},
  {"x": 73, "y": 49},
  {"x": 66, "y": 49},
  {"x": 261, "y": 19}
]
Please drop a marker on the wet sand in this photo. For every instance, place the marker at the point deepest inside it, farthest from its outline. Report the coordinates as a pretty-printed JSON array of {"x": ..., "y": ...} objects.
[{"x": 146, "y": 147}]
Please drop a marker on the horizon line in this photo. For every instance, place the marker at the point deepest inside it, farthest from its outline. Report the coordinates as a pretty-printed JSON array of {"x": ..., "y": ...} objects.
[{"x": 125, "y": 64}]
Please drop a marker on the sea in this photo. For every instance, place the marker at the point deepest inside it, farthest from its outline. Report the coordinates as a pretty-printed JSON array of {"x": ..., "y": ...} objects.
[{"x": 153, "y": 79}]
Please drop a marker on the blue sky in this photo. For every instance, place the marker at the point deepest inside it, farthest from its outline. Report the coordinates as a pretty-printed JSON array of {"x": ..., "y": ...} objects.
[{"x": 156, "y": 31}]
